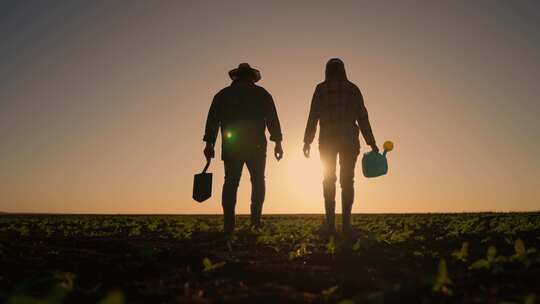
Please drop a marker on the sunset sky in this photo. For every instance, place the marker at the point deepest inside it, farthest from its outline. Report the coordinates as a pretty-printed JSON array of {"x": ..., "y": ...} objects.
[{"x": 103, "y": 103}]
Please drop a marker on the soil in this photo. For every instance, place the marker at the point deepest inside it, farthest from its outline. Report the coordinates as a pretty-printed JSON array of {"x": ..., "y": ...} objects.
[{"x": 154, "y": 268}]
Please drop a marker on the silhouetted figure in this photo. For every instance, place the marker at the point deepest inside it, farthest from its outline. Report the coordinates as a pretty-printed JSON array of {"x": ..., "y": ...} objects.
[
  {"x": 243, "y": 111},
  {"x": 338, "y": 106}
]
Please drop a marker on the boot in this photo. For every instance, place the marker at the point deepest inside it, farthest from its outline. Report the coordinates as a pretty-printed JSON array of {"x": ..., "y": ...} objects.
[
  {"x": 228, "y": 220},
  {"x": 256, "y": 214}
]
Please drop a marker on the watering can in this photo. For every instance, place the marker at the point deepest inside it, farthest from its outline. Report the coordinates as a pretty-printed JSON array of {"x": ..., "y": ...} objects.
[
  {"x": 375, "y": 164},
  {"x": 202, "y": 184}
]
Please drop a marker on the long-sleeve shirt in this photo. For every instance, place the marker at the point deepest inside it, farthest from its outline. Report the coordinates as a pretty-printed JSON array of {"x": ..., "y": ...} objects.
[
  {"x": 339, "y": 108},
  {"x": 243, "y": 111}
]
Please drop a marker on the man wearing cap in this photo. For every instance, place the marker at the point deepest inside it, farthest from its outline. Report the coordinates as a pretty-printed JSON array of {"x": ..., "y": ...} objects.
[
  {"x": 243, "y": 111},
  {"x": 338, "y": 106}
]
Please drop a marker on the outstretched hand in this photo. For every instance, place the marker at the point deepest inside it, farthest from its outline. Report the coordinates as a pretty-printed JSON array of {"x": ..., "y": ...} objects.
[
  {"x": 306, "y": 149},
  {"x": 278, "y": 151}
]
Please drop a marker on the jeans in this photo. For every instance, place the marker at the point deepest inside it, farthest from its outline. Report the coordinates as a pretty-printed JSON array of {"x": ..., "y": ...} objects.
[
  {"x": 348, "y": 155},
  {"x": 233, "y": 170}
]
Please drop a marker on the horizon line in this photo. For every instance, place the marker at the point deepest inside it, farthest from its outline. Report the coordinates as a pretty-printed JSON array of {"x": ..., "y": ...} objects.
[{"x": 272, "y": 214}]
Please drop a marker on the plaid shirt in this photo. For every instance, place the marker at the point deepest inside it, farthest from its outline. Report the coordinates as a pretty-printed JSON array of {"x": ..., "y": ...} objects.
[{"x": 339, "y": 107}]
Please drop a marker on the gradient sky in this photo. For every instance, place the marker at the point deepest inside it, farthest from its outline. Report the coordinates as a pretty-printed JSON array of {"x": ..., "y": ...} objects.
[{"x": 103, "y": 103}]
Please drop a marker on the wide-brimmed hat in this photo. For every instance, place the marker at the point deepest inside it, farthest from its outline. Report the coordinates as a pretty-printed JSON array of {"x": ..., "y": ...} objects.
[{"x": 243, "y": 68}]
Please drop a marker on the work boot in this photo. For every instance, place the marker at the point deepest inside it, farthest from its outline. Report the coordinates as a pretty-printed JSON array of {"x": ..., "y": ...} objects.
[
  {"x": 256, "y": 214},
  {"x": 228, "y": 220}
]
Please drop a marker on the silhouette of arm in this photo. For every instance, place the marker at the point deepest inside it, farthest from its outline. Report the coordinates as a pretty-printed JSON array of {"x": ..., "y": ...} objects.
[
  {"x": 212, "y": 122},
  {"x": 363, "y": 120},
  {"x": 313, "y": 119},
  {"x": 272, "y": 120}
]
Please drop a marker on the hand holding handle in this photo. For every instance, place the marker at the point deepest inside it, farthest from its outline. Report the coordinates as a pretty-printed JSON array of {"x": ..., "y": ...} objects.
[{"x": 209, "y": 151}]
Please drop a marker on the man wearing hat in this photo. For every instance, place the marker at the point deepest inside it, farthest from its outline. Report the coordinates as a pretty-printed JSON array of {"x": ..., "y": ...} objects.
[
  {"x": 243, "y": 111},
  {"x": 338, "y": 107}
]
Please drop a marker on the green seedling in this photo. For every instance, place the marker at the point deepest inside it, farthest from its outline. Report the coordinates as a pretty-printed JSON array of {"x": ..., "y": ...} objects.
[
  {"x": 491, "y": 260},
  {"x": 463, "y": 253},
  {"x": 328, "y": 292},
  {"x": 442, "y": 281},
  {"x": 208, "y": 266},
  {"x": 522, "y": 254}
]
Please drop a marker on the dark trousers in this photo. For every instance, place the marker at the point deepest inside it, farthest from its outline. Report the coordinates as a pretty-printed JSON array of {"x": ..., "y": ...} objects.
[
  {"x": 233, "y": 171},
  {"x": 348, "y": 155}
]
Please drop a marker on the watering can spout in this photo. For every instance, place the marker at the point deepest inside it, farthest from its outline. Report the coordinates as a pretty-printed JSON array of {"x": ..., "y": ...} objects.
[{"x": 388, "y": 146}]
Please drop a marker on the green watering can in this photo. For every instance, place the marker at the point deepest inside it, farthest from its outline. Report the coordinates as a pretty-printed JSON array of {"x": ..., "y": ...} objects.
[{"x": 375, "y": 164}]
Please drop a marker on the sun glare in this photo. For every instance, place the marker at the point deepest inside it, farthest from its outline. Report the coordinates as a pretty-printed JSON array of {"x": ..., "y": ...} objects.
[{"x": 304, "y": 178}]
